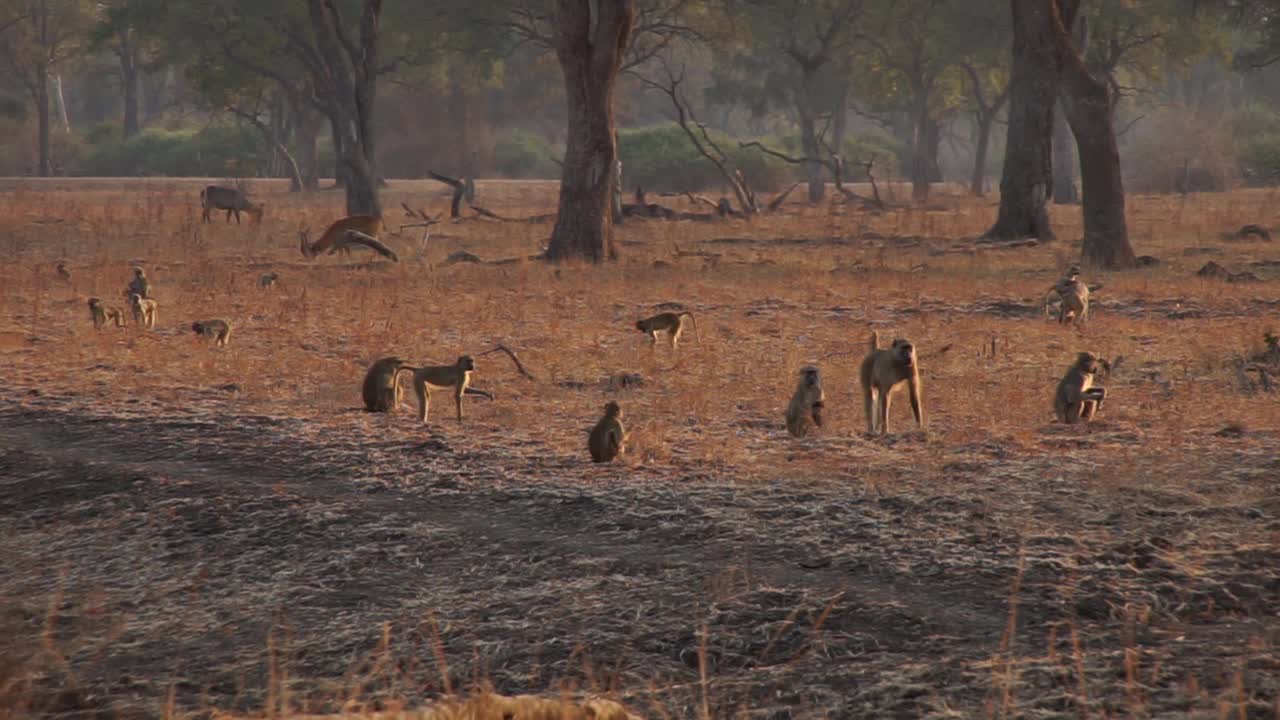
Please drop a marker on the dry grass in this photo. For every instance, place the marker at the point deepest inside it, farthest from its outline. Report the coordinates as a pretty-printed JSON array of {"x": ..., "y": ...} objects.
[{"x": 804, "y": 286}]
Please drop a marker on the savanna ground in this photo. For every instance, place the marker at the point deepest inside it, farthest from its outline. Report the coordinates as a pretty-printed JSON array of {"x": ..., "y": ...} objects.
[{"x": 187, "y": 529}]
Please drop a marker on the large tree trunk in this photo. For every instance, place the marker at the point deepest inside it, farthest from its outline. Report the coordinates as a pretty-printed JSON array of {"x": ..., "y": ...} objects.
[
  {"x": 1089, "y": 104},
  {"x": 45, "y": 166},
  {"x": 1026, "y": 182},
  {"x": 978, "y": 183},
  {"x": 807, "y": 113},
  {"x": 590, "y": 51},
  {"x": 1064, "y": 159},
  {"x": 129, "y": 79},
  {"x": 306, "y": 128}
]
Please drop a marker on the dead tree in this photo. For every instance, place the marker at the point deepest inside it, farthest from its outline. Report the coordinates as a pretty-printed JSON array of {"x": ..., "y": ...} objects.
[
  {"x": 462, "y": 189},
  {"x": 701, "y": 139},
  {"x": 835, "y": 165}
]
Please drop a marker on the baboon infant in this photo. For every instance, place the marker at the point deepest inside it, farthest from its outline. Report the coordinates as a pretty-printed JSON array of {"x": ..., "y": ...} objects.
[
  {"x": 608, "y": 437},
  {"x": 805, "y": 410},
  {"x": 1077, "y": 398},
  {"x": 219, "y": 329},
  {"x": 143, "y": 309},
  {"x": 882, "y": 372},
  {"x": 102, "y": 313},
  {"x": 669, "y": 322}
]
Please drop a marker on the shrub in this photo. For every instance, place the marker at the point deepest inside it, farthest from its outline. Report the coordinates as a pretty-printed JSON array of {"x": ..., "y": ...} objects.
[
  {"x": 661, "y": 157},
  {"x": 1259, "y": 159},
  {"x": 523, "y": 154},
  {"x": 202, "y": 153}
]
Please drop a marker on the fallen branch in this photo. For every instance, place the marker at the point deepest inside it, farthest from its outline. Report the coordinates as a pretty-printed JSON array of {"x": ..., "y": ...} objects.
[
  {"x": 511, "y": 354},
  {"x": 776, "y": 203},
  {"x": 460, "y": 190}
]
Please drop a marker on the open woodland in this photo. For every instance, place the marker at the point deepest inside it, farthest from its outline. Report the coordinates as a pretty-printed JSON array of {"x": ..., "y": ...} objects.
[{"x": 196, "y": 531}]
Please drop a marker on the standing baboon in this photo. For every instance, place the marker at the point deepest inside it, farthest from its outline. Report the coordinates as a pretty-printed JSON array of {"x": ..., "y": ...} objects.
[
  {"x": 101, "y": 314},
  {"x": 139, "y": 285},
  {"x": 882, "y": 372},
  {"x": 669, "y": 322},
  {"x": 218, "y": 329},
  {"x": 143, "y": 309}
]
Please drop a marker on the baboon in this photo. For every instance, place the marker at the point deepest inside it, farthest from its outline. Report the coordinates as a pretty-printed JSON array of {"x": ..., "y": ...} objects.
[
  {"x": 805, "y": 410},
  {"x": 1077, "y": 398},
  {"x": 219, "y": 329},
  {"x": 672, "y": 323},
  {"x": 608, "y": 436},
  {"x": 215, "y": 197},
  {"x": 456, "y": 376},
  {"x": 882, "y": 372},
  {"x": 268, "y": 280},
  {"x": 63, "y": 272},
  {"x": 101, "y": 314},
  {"x": 143, "y": 309},
  {"x": 382, "y": 392},
  {"x": 139, "y": 285},
  {"x": 1075, "y": 300}
]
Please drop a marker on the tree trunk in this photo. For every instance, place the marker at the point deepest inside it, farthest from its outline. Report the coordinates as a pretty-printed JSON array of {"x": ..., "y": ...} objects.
[
  {"x": 590, "y": 51},
  {"x": 807, "y": 113},
  {"x": 1026, "y": 182},
  {"x": 1064, "y": 159},
  {"x": 1089, "y": 104},
  {"x": 978, "y": 184},
  {"x": 42, "y": 120},
  {"x": 335, "y": 139},
  {"x": 306, "y": 128},
  {"x": 129, "y": 79}
]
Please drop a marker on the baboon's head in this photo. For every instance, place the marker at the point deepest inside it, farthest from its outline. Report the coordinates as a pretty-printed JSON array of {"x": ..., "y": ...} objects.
[
  {"x": 1087, "y": 362},
  {"x": 809, "y": 376},
  {"x": 612, "y": 409},
  {"x": 640, "y": 326},
  {"x": 466, "y": 363},
  {"x": 94, "y": 302},
  {"x": 198, "y": 327},
  {"x": 904, "y": 353},
  {"x": 139, "y": 272}
]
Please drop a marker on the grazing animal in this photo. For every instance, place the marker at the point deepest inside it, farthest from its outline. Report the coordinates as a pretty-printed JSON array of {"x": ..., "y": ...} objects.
[
  {"x": 882, "y": 372},
  {"x": 334, "y": 240},
  {"x": 669, "y": 322},
  {"x": 1076, "y": 397},
  {"x": 217, "y": 197},
  {"x": 101, "y": 314},
  {"x": 143, "y": 309},
  {"x": 804, "y": 412},
  {"x": 218, "y": 329},
  {"x": 608, "y": 437}
]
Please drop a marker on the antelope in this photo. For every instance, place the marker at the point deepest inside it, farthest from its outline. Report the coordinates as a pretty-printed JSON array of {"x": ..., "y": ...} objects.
[
  {"x": 216, "y": 197},
  {"x": 342, "y": 234}
]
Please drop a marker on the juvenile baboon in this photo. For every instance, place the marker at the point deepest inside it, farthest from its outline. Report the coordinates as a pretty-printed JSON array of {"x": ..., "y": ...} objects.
[
  {"x": 439, "y": 377},
  {"x": 608, "y": 436},
  {"x": 882, "y": 372},
  {"x": 139, "y": 285},
  {"x": 1075, "y": 300},
  {"x": 382, "y": 392},
  {"x": 143, "y": 309},
  {"x": 219, "y": 329},
  {"x": 1077, "y": 398},
  {"x": 268, "y": 280},
  {"x": 101, "y": 314},
  {"x": 670, "y": 322},
  {"x": 63, "y": 272},
  {"x": 805, "y": 410}
]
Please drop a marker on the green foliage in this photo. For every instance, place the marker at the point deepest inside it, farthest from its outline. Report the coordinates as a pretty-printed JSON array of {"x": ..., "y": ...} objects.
[
  {"x": 523, "y": 154},
  {"x": 661, "y": 157},
  {"x": 888, "y": 152},
  {"x": 12, "y": 107},
  {"x": 200, "y": 153},
  {"x": 1259, "y": 158}
]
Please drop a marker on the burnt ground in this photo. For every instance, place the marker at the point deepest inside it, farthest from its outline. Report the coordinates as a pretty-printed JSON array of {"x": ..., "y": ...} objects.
[{"x": 228, "y": 561}]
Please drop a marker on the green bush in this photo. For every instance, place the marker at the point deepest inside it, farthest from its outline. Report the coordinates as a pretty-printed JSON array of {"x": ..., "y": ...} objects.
[
  {"x": 1259, "y": 159},
  {"x": 522, "y": 154},
  {"x": 208, "y": 152},
  {"x": 661, "y": 157}
]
